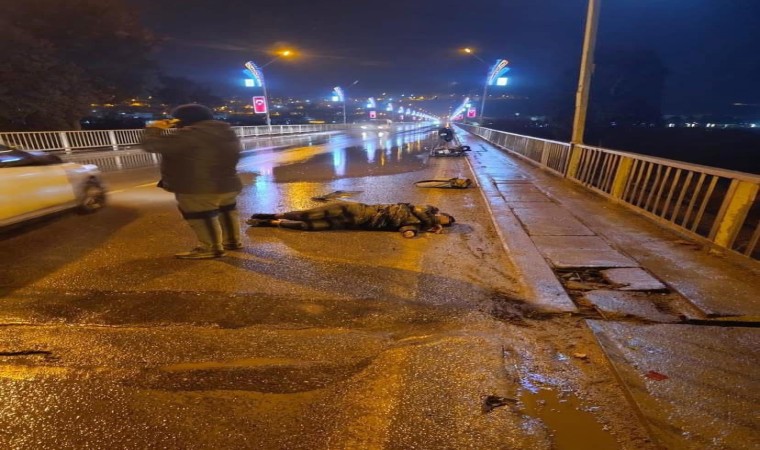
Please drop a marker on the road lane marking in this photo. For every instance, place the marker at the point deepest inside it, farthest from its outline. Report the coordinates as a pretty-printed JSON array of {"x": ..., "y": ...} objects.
[
  {"x": 133, "y": 187},
  {"x": 370, "y": 408}
]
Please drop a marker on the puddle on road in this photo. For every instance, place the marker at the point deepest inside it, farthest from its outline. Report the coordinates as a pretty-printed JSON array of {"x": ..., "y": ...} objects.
[{"x": 571, "y": 428}]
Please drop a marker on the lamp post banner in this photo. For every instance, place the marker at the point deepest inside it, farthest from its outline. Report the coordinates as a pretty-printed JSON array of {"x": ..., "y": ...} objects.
[
  {"x": 258, "y": 76},
  {"x": 260, "y": 104},
  {"x": 339, "y": 93},
  {"x": 499, "y": 69}
]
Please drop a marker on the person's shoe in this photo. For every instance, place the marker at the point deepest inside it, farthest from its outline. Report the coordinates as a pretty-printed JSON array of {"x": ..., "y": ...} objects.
[
  {"x": 233, "y": 246},
  {"x": 200, "y": 253},
  {"x": 260, "y": 216}
]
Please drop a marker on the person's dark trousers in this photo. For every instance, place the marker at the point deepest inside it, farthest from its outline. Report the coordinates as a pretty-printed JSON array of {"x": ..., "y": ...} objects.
[{"x": 213, "y": 217}]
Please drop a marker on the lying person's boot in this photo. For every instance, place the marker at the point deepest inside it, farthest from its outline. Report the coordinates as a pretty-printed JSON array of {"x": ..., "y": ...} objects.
[
  {"x": 261, "y": 222},
  {"x": 200, "y": 253},
  {"x": 264, "y": 216}
]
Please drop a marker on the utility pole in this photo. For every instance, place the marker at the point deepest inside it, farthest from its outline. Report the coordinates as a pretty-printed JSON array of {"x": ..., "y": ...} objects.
[
  {"x": 483, "y": 101},
  {"x": 587, "y": 68},
  {"x": 266, "y": 100},
  {"x": 584, "y": 87}
]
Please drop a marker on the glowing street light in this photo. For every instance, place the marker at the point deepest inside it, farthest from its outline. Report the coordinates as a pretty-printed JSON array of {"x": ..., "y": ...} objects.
[
  {"x": 495, "y": 76},
  {"x": 258, "y": 79},
  {"x": 340, "y": 93},
  {"x": 472, "y": 53}
]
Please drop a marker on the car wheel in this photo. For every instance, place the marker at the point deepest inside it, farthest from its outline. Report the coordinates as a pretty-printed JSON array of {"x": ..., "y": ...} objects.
[{"x": 93, "y": 197}]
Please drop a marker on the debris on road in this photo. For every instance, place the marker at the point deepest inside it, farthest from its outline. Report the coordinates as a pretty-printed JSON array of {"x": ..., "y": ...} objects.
[
  {"x": 656, "y": 376},
  {"x": 335, "y": 195},
  {"x": 451, "y": 183},
  {"x": 492, "y": 402}
]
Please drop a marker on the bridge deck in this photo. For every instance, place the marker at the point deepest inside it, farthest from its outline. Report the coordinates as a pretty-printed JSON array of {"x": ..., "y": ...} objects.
[{"x": 678, "y": 320}]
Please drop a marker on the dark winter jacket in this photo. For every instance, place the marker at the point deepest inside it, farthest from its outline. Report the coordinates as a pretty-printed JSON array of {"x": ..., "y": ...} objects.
[{"x": 197, "y": 159}]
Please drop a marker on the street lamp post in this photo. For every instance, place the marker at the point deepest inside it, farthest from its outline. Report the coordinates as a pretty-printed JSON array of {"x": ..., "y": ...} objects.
[
  {"x": 493, "y": 73},
  {"x": 483, "y": 101},
  {"x": 342, "y": 97},
  {"x": 266, "y": 100},
  {"x": 341, "y": 93},
  {"x": 470, "y": 52},
  {"x": 258, "y": 76}
]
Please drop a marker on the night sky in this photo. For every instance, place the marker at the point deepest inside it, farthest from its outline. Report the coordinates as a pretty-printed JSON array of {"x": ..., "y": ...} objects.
[{"x": 709, "y": 47}]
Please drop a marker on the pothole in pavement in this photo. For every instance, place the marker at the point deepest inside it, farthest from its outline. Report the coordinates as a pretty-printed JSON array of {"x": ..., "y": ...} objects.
[
  {"x": 596, "y": 295},
  {"x": 516, "y": 311},
  {"x": 649, "y": 301},
  {"x": 26, "y": 353},
  {"x": 26, "y": 357}
]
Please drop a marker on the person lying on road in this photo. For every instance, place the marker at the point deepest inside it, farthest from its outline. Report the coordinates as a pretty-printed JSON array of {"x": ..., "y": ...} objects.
[{"x": 341, "y": 215}]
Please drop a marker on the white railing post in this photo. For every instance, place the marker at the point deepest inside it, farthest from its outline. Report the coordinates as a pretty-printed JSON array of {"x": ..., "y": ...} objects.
[
  {"x": 65, "y": 141},
  {"x": 545, "y": 154},
  {"x": 112, "y": 138}
]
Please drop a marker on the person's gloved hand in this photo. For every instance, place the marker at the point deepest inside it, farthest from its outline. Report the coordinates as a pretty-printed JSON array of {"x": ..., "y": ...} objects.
[
  {"x": 437, "y": 229},
  {"x": 164, "y": 124}
]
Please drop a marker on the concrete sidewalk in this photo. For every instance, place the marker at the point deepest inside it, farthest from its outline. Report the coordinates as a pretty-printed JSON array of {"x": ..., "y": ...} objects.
[{"x": 677, "y": 321}]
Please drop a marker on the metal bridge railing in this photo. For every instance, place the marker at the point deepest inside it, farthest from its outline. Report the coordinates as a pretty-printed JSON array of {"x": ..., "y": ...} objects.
[
  {"x": 113, "y": 150},
  {"x": 717, "y": 205},
  {"x": 76, "y": 141},
  {"x": 73, "y": 141}
]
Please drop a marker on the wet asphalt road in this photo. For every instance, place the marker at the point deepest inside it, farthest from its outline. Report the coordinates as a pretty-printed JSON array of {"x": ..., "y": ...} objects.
[{"x": 339, "y": 339}]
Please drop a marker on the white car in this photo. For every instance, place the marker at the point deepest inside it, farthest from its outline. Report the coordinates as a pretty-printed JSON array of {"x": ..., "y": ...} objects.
[{"x": 35, "y": 184}]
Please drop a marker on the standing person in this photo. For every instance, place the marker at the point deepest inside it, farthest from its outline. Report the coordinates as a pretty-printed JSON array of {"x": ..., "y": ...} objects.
[{"x": 199, "y": 165}]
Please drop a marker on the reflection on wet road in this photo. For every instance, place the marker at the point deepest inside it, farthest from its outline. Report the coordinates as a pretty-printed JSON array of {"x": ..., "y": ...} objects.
[{"x": 329, "y": 157}]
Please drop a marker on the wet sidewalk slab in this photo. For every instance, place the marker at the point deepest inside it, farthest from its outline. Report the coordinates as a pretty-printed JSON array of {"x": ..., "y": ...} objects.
[{"x": 543, "y": 288}]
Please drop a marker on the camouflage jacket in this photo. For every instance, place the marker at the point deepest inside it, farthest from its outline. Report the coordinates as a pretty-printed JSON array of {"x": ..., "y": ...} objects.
[{"x": 392, "y": 216}]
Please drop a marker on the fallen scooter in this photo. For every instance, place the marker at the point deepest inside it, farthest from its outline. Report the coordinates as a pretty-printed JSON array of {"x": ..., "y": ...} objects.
[{"x": 451, "y": 146}]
